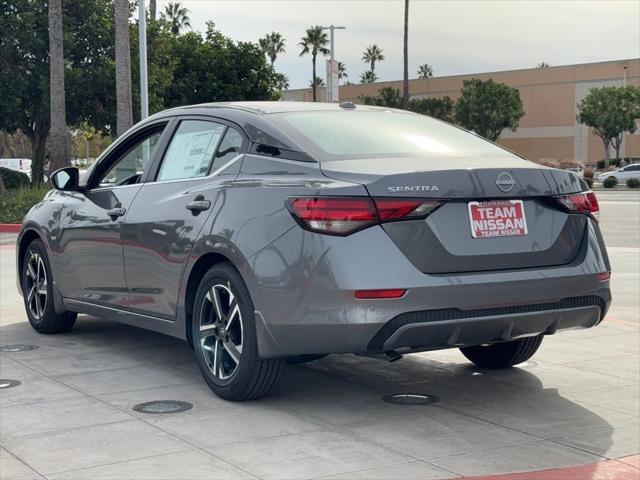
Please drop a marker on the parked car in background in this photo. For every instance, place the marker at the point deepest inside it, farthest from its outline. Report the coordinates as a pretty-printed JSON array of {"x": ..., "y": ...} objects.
[
  {"x": 622, "y": 174},
  {"x": 262, "y": 233},
  {"x": 22, "y": 165}
]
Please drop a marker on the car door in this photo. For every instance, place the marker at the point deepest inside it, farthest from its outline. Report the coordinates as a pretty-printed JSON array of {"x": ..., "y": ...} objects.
[
  {"x": 90, "y": 260},
  {"x": 167, "y": 215}
]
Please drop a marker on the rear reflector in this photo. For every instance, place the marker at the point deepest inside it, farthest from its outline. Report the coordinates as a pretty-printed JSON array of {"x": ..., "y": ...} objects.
[
  {"x": 386, "y": 293},
  {"x": 603, "y": 276},
  {"x": 584, "y": 202},
  {"x": 345, "y": 215}
]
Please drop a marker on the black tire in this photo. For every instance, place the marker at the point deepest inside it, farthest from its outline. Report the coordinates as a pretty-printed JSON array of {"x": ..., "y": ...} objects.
[
  {"x": 215, "y": 337},
  {"x": 36, "y": 279},
  {"x": 503, "y": 355}
]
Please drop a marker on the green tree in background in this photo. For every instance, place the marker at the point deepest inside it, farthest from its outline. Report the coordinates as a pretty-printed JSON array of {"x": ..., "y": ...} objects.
[
  {"x": 372, "y": 55},
  {"x": 24, "y": 69},
  {"x": 488, "y": 107},
  {"x": 272, "y": 44},
  {"x": 342, "y": 71},
  {"x": 314, "y": 42},
  {"x": 441, "y": 108},
  {"x": 318, "y": 83},
  {"x": 425, "y": 71},
  {"x": 176, "y": 16},
  {"x": 368, "y": 77},
  {"x": 610, "y": 112}
]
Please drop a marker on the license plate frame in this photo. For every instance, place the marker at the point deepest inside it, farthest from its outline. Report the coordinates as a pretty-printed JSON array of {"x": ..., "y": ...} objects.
[{"x": 497, "y": 219}]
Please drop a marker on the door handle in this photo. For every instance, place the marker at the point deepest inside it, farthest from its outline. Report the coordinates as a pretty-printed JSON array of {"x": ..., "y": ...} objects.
[
  {"x": 116, "y": 212},
  {"x": 199, "y": 204}
]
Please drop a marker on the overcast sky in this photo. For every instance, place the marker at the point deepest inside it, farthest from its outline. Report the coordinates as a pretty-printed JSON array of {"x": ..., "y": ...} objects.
[{"x": 454, "y": 36}]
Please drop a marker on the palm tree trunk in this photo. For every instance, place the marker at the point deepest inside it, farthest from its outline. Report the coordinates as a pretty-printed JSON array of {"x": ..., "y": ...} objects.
[
  {"x": 59, "y": 140},
  {"x": 405, "y": 78},
  {"x": 124, "y": 108},
  {"x": 152, "y": 10},
  {"x": 313, "y": 81}
]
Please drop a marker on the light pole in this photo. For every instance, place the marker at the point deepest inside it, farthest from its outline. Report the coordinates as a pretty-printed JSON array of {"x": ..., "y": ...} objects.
[
  {"x": 331, "y": 82},
  {"x": 142, "y": 29}
]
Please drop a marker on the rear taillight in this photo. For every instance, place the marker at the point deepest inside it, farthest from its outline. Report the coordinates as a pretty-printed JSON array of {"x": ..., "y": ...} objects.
[
  {"x": 383, "y": 293},
  {"x": 346, "y": 215},
  {"x": 584, "y": 202}
]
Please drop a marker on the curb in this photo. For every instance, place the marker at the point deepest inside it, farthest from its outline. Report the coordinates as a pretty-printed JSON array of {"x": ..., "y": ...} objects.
[{"x": 10, "y": 227}]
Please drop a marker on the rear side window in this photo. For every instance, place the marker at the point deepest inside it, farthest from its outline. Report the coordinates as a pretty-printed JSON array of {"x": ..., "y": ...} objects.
[
  {"x": 228, "y": 150},
  {"x": 191, "y": 150}
]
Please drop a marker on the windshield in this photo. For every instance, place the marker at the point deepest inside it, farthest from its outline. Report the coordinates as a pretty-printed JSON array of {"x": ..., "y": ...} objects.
[{"x": 336, "y": 135}]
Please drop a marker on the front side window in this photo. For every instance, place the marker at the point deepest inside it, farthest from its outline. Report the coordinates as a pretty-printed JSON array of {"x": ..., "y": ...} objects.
[
  {"x": 191, "y": 150},
  {"x": 130, "y": 167}
]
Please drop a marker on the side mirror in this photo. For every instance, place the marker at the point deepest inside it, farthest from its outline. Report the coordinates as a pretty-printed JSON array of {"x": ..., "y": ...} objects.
[{"x": 65, "y": 179}]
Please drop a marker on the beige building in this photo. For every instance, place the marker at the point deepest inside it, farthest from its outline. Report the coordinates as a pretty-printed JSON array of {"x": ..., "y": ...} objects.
[{"x": 549, "y": 129}]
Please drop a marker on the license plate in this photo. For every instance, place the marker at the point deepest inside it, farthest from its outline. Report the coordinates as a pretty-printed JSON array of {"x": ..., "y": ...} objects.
[{"x": 497, "y": 218}]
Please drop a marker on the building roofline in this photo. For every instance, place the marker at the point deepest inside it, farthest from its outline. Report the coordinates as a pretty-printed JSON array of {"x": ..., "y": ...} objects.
[{"x": 620, "y": 61}]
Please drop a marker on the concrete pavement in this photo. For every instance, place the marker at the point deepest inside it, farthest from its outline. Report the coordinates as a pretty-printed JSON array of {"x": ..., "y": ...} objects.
[{"x": 575, "y": 403}]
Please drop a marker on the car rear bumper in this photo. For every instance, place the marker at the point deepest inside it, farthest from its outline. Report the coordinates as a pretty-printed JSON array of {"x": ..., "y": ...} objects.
[{"x": 308, "y": 305}]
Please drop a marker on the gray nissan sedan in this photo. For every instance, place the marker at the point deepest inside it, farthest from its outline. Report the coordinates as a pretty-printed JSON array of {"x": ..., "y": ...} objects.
[{"x": 267, "y": 233}]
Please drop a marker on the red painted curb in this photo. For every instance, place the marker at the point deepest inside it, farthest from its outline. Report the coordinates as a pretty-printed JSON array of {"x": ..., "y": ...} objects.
[
  {"x": 620, "y": 469},
  {"x": 9, "y": 227}
]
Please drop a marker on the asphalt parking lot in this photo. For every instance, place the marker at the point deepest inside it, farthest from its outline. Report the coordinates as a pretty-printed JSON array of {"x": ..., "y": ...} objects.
[{"x": 575, "y": 403}]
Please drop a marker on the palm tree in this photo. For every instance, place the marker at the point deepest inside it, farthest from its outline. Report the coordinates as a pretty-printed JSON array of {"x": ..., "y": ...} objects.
[
  {"x": 425, "y": 71},
  {"x": 177, "y": 16},
  {"x": 342, "y": 71},
  {"x": 405, "y": 76},
  {"x": 371, "y": 55},
  {"x": 282, "y": 81},
  {"x": 314, "y": 42},
  {"x": 272, "y": 44},
  {"x": 152, "y": 10},
  {"x": 124, "y": 109},
  {"x": 59, "y": 140},
  {"x": 368, "y": 77},
  {"x": 319, "y": 83}
]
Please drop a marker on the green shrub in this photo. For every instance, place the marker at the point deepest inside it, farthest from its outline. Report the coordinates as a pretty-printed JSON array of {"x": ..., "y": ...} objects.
[
  {"x": 13, "y": 179},
  {"x": 633, "y": 183},
  {"x": 609, "y": 182},
  {"x": 15, "y": 204},
  {"x": 613, "y": 162}
]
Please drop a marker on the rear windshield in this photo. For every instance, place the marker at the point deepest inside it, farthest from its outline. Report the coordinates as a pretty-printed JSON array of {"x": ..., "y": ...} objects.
[{"x": 336, "y": 135}]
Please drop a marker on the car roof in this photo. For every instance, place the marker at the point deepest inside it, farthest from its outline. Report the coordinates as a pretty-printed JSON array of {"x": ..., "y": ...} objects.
[{"x": 265, "y": 108}]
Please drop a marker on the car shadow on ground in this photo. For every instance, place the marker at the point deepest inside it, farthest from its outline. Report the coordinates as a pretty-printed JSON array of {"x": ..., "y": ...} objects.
[{"x": 479, "y": 413}]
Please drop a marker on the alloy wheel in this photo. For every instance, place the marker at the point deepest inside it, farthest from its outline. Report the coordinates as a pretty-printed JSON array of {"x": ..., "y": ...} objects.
[
  {"x": 221, "y": 331},
  {"x": 36, "y": 285}
]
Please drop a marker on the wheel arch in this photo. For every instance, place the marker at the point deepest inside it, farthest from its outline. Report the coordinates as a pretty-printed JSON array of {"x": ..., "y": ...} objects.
[
  {"x": 198, "y": 270},
  {"x": 26, "y": 237}
]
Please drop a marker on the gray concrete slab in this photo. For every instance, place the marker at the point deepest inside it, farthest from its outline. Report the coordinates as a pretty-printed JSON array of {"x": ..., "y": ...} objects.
[{"x": 575, "y": 403}]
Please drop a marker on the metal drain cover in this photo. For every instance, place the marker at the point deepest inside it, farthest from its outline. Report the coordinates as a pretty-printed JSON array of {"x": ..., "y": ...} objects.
[
  {"x": 410, "y": 399},
  {"x": 163, "y": 406},
  {"x": 17, "y": 348},
  {"x": 6, "y": 383}
]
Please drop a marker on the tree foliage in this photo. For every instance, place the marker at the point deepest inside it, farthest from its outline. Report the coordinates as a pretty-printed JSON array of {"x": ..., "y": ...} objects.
[
  {"x": 372, "y": 55},
  {"x": 314, "y": 42},
  {"x": 183, "y": 69},
  {"x": 368, "y": 77},
  {"x": 176, "y": 16},
  {"x": 272, "y": 44},
  {"x": 610, "y": 111},
  {"x": 425, "y": 71},
  {"x": 488, "y": 107},
  {"x": 440, "y": 108}
]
